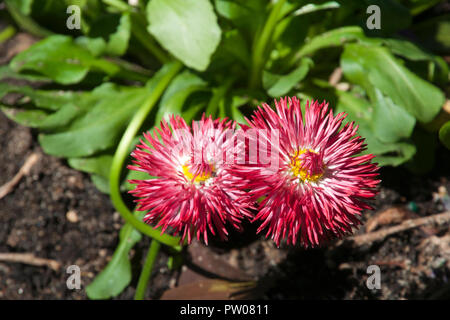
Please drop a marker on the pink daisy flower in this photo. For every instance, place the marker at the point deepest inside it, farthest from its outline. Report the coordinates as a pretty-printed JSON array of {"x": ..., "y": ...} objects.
[
  {"x": 193, "y": 188},
  {"x": 315, "y": 185}
]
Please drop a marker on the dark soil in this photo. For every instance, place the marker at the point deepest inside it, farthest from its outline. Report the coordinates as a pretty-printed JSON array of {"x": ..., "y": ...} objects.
[
  {"x": 56, "y": 213},
  {"x": 34, "y": 219}
]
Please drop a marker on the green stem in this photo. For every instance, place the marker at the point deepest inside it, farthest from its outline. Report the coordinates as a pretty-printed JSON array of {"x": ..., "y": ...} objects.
[
  {"x": 128, "y": 72},
  {"x": 218, "y": 95},
  {"x": 130, "y": 75},
  {"x": 131, "y": 71},
  {"x": 261, "y": 45},
  {"x": 129, "y": 66},
  {"x": 25, "y": 22},
  {"x": 123, "y": 151},
  {"x": 147, "y": 270}
]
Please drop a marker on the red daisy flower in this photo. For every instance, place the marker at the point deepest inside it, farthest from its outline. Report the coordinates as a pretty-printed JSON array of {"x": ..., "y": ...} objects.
[
  {"x": 315, "y": 185},
  {"x": 193, "y": 188}
]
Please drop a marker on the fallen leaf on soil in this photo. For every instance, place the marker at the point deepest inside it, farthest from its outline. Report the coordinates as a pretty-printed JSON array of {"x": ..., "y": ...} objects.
[
  {"x": 211, "y": 289},
  {"x": 203, "y": 263}
]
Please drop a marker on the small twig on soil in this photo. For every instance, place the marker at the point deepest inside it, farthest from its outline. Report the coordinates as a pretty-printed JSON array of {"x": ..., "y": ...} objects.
[
  {"x": 29, "y": 258},
  {"x": 9, "y": 186},
  {"x": 370, "y": 237},
  {"x": 391, "y": 263}
]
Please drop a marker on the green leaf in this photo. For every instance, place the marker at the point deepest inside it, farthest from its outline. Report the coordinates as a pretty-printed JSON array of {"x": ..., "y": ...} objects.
[
  {"x": 235, "y": 45},
  {"x": 7, "y": 73},
  {"x": 359, "y": 111},
  {"x": 46, "y": 99},
  {"x": 412, "y": 52},
  {"x": 60, "y": 59},
  {"x": 35, "y": 108},
  {"x": 109, "y": 35},
  {"x": 100, "y": 128},
  {"x": 96, "y": 46},
  {"x": 118, "y": 41},
  {"x": 176, "y": 94},
  {"x": 101, "y": 183},
  {"x": 407, "y": 49},
  {"x": 60, "y": 118},
  {"x": 444, "y": 134},
  {"x": 188, "y": 29},
  {"x": 277, "y": 85},
  {"x": 289, "y": 35},
  {"x": 19, "y": 10},
  {"x": 311, "y": 7},
  {"x": 110, "y": 108},
  {"x": 23, "y": 5},
  {"x": 332, "y": 38},
  {"x": 389, "y": 154},
  {"x": 372, "y": 66},
  {"x": 390, "y": 122},
  {"x": 99, "y": 165},
  {"x": 248, "y": 16},
  {"x": 28, "y": 118},
  {"x": 117, "y": 274}
]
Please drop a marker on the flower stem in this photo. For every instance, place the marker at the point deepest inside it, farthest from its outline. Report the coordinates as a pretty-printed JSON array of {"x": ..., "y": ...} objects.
[
  {"x": 147, "y": 270},
  {"x": 261, "y": 44},
  {"x": 122, "y": 153}
]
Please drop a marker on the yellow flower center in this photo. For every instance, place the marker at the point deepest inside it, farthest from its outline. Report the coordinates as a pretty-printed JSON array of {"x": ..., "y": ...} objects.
[
  {"x": 200, "y": 178},
  {"x": 307, "y": 165}
]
